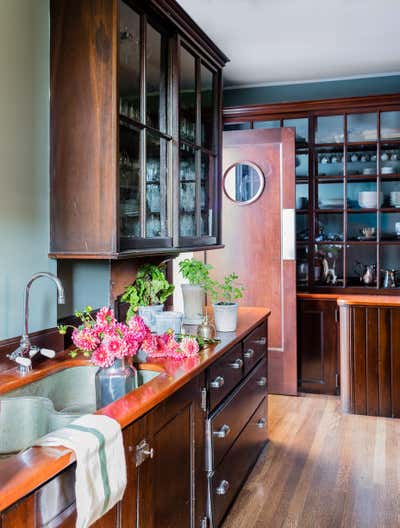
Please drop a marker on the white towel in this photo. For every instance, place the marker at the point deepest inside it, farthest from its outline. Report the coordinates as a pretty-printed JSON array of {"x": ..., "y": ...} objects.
[{"x": 100, "y": 464}]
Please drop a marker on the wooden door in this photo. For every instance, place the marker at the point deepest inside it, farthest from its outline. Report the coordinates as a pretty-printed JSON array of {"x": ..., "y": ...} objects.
[
  {"x": 258, "y": 249},
  {"x": 318, "y": 346}
]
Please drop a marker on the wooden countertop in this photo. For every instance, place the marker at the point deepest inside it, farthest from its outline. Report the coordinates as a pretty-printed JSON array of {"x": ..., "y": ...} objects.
[
  {"x": 354, "y": 300},
  {"x": 26, "y": 471}
]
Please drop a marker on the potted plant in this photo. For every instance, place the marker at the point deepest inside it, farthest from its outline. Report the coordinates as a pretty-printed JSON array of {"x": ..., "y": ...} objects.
[
  {"x": 197, "y": 275},
  {"x": 224, "y": 296},
  {"x": 147, "y": 295}
]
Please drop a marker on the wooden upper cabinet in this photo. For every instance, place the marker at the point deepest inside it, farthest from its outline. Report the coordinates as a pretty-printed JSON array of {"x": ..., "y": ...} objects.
[{"x": 135, "y": 130}]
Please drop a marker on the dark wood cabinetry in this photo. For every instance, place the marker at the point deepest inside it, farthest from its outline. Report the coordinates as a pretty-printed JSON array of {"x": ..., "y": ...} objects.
[
  {"x": 135, "y": 130},
  {"x": 318, "y": 346}
]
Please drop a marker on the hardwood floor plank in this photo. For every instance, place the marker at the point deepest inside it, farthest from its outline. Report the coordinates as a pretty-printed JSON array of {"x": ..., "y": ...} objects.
[{"x": 322, "y": 469}]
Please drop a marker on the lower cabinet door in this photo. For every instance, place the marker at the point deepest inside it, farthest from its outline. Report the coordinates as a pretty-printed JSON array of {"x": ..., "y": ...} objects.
[
  {"x": 318, "y": 346},
  {"x": 225, "y": 482}
]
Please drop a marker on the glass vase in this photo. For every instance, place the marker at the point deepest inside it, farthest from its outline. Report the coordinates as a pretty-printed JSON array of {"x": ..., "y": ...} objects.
[{"x": 114, "y": 382}]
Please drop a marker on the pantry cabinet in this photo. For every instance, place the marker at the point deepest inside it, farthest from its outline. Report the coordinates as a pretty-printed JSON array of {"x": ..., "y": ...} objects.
[{"x": 135, "y": 130}]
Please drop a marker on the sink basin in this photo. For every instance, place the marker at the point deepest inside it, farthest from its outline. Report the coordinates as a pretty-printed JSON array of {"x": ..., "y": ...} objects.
[{"x": 31, "y": 411}]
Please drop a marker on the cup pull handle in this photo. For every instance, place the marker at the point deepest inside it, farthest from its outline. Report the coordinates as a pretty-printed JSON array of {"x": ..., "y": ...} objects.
[
  {"x": 217, "y": 383},
  {"x": 261, "y": 423},
  {"x": 261, "y": 341},
  {"x": 222, "y": 488},
  {"x": 222, "y": 432},
  {"x": 262, "y": 381},
  {"x": 249, "y": 353},
  {"x": 237, "y": 364}
]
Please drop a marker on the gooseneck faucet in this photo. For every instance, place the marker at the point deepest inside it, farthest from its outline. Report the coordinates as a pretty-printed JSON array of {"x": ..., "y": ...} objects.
[{"x": 23, "y": 354}]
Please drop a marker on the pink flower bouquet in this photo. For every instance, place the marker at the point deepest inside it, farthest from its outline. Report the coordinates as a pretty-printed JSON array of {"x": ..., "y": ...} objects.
[{"x": 104, "y": 339}]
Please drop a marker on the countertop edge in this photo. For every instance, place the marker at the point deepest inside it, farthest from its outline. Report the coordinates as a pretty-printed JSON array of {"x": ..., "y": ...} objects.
[
  {"x": 354, "y": 300},
  {"x": 30, "y": 469}
]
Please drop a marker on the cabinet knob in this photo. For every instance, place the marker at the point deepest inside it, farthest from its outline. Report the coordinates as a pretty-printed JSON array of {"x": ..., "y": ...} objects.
[
  {"x": 222, "y": 487},
  {"x": 261, "y": 423},
  {"x": 261, "y": 341},
  {"x": 237, "y": 364},
  {"x": 222, "y": 432},
  {"x": 143, "y": 452},
  {"x": 217, "y": 383},
  {"x": 262, "y": 382},
  {"x": 249, "y": 353}
]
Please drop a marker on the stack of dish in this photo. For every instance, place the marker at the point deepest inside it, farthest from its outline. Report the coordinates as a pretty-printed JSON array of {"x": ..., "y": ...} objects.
[
  {"x": 395, "y": 199},
  {"x": 387, "y": 170},
  {"x": 368, "y": 199},
  {"x": 331, "y": 203},
  {"x": 368, "y": 171}
]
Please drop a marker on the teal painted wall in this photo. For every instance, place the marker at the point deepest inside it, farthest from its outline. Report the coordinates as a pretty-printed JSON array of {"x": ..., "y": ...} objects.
[{"x": 310, "y": 91}]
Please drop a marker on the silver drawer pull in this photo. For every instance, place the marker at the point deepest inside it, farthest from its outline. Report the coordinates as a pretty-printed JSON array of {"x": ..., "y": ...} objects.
[
  {"x": 222, "y": 488},
  {"x": 237, "y": 364},
  {"x": 222, "y": 432},
  {"x": 261, "y": 423},
  {"x": 217, "y": 383},
  {"x": 262, "y": 382},
  {"x": 261, "y": 341},
  {"x": 249, "y": 353}
]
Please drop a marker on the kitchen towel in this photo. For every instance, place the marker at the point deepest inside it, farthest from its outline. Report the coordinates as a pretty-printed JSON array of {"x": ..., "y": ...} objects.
[{"x": 100, "y": 463}]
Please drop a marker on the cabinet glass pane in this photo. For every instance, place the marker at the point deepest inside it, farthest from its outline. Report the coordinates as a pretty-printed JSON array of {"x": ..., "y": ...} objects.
[
  {"x": 330, "y": 162},
  {"x": 156, "y": 163},
  {"x": 301, "y": 196},
  {"x": 361, "y": 161},
  {"x": 187, "y": 191},
  {"x": 187, "y": 95},
  {"x": 207, "y": 107},
  {"x": 362, "y": 127},
  {"x": 390, "y": 159},
  {"x": 301, "y": 163},
  {"x": 129, "y": 183},
  {"x": 390, "y": 125},
  {"x": 155, "y": 79},
  {"x": 330, "y": 196},
  {"x": 330, "y": 129},
  {"x": 301, "y": 126},
  {"x": 329, "y": 227},
  {"x": 236, "y": 126},
  {"x": 267, "y": 124},
  {"x": 390, "y": 260},
  {"x": 391, "y": 193},
  {"x": 328, "y": 265},
  {"x": 302, "y": 231},
  {"x": 390, "y": 226},
  {"x": 302, "y": 266},
  {"x": 206, "y": 196},
  {"x": 362, "y": 195},
  {"x": 358, "y": 257},
  {"x": 361, "y": 226},
  {"x": 129, "y": 62}
]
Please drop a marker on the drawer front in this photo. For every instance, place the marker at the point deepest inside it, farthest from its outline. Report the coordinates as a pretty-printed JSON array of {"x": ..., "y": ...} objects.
[
  {"x": 255, "y": 347},
  {"x": 224, "y": 375},
  {"x": 226, "y": 482},
  {"x": 226, "y": 424}
]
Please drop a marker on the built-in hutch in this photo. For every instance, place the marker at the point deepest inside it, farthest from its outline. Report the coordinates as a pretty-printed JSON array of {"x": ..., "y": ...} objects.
[{"x": 135, "y": 130}]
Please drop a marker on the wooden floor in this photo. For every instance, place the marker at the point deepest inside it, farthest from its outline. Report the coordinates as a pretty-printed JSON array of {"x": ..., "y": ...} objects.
[{"x": 322, "y": 469}]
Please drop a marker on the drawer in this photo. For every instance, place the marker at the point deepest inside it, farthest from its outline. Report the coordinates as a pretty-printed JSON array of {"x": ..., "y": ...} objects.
[
  {"x": 226, "y": 423},
  {"x": 224, "y": 375},
  {"x": 226, "y": 481},
  {"x": 255, "y": 347}
]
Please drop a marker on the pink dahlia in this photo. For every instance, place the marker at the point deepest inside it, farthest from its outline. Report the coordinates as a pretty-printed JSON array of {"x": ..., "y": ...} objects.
[
  {"x": 189, "y": 347},
  {"x": 102, "y": 357},
  {"x": 85, "y": 339},
  {"x": 132, "y": 344},
  {"x": 115, "y": 346},
  {"x": 138, "y": 326},
  {"x": 104, "y": 319},
  {"x": 150, "y": 345}
]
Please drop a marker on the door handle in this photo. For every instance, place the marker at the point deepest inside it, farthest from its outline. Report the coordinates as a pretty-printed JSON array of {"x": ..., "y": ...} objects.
[
  {"x": 237, "y": 364},
  {"x": 217, "y": 383},
  {"x": 222, "y": 432},
  {"x": 249, "y": 353},
  {"x": 222, "y": 488},
  {"x": 262, "y": 382}
]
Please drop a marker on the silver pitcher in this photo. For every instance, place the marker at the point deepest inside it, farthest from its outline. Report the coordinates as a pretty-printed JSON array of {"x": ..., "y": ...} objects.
[
  {"x": 367, "y": 273},
  {"x": 389, "y": 279}
]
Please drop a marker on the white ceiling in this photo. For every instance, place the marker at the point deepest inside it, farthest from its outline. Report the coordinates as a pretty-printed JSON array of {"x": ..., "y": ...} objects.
[{"x": 283, "y": 41}]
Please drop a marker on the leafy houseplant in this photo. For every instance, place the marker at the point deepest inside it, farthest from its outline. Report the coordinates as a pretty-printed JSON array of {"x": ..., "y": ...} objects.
[
  {"x": 224, "y": 296},
  {"x": 148, "y": 293},
  {"x": 198, "y": 276}
]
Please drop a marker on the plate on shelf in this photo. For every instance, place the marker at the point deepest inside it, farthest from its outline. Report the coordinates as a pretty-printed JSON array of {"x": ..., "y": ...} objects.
[
  {"x": 331, "y": 203},
  {"x": 366, "y": 238},
  {"x": 387, "y": 170},
  {"x": 368, "y": 171}
]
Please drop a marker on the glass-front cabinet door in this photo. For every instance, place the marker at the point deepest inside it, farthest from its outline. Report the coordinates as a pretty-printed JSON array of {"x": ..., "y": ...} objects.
[
  {"x": 143, "y": 138},
  {"x": 197, "y": 220}
]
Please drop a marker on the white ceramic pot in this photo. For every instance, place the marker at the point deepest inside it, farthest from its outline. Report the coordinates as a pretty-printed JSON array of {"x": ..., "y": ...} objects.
[
  {"x": 193, "y": 301},
  {"x": 225, "y": 317},
  {"x": 148, "y": 314}
]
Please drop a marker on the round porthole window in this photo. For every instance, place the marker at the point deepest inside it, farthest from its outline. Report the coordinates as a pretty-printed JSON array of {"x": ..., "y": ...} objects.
[{"x": 244, "y": 182}]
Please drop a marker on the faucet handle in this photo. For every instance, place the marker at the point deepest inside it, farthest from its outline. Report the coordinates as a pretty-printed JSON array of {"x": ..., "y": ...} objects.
[
  {"x": 33, "y": 350},
  {"x": 47, "y": 352},
  {"x": 23, "y": 361}
]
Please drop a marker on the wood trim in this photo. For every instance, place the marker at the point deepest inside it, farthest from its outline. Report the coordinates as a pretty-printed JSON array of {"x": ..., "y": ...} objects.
[{"x": 302, "y": 108}]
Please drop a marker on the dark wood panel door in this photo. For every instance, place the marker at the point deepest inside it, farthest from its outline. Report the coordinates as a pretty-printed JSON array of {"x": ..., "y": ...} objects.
[
  {"x": 318, "y": 346},
  {"x": 172, "y": 484},
  {"x": 260, "y": 243}
]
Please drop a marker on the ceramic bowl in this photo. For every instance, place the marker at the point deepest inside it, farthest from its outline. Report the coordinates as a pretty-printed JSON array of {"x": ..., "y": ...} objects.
[{"x": 368, "y": 199}]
